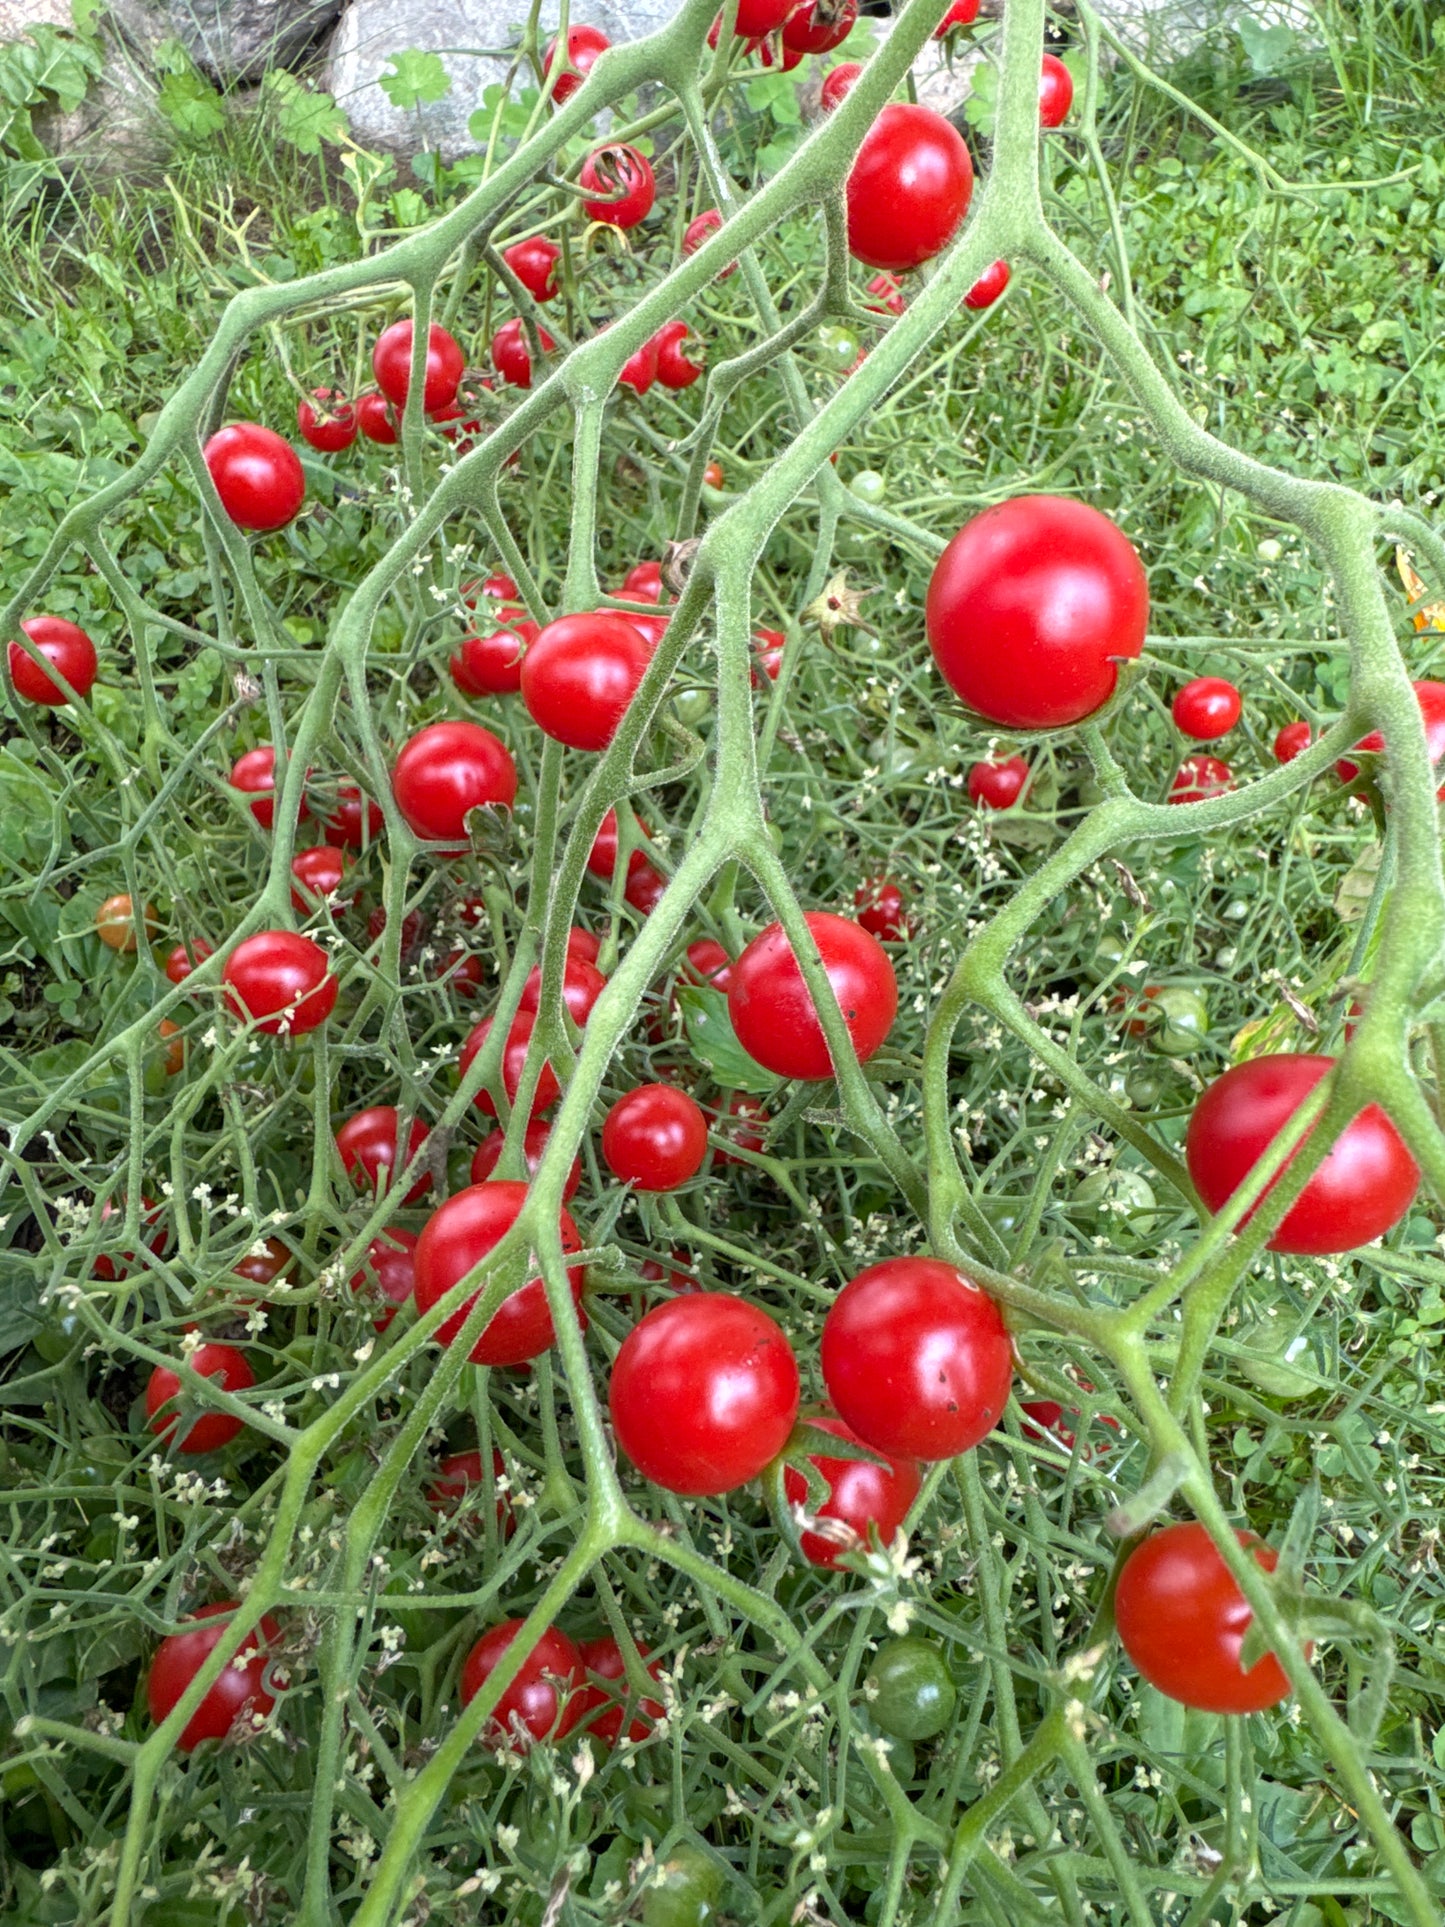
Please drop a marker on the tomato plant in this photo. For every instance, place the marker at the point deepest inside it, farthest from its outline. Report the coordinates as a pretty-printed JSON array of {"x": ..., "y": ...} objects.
[
  {"x": 208, "y": 1433},
  {"x": 621, "y": 184},
  {"x": 369, "y": 1143},
  {"x": 703, "y": 1393},
  {"x": 257, "y": 474},
  {"x": 544, "y": 1699},
  {"x": 446, "y": 771},
  {"x": 391, "y": 365},
  {"x": 1206, "y": 708},
  {"x": 580, "y": 675},
  {"x": 280, "y": 982},
  {"x": 909, "y": 1690}
]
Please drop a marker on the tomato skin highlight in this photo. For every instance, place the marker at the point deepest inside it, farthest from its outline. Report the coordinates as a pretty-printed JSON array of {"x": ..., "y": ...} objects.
[
  {"x": 1028, "y": 607},
  {"x": 861, "y": 1494},
  {"x": 1431, "y": 698},
  {"x": 240, "y": 1689},
  {"x": 534, "y": 1142},
  {"x": 916, "y": 1359},
  {"x": 1056, "y": 92},
  {"x": 585, "y": 45},
  {"x": 1182, "y": 1620},
  {"x": 532, "y": 1708},
  {"x": 622, "y": 183},
  {"x": 370, "y": 1152},
  {"x": 443, "y": 773},
  {"x": 534, "y": 261},
  {"x": 1291, "y": 741},
  {"x": 463, "y": 1230},
  {"x": 281, "y": 981},
  {"x": 258, "y": 476},
  {"x": 988, "y": 287},
  {"x": 64, "y": 645},
  {"x": 580, "y": 675},
  {"x": 1198, "y": 778},
  {"x": 909, "y": 188},
  {"x": 1364, "y": 1187},
  {"x": 390, "y": 1268},
  {"x": 391, "y": 365},
  {"x": 1206, "y": 708},
  {"x": 998, "y": 786},
  {"x": 838, "y": 85},
  {"x": 514, "y": 1056},
  {"x": 602, "y": 1659},
  {"x": 330, "y": 428},
  {"x": 232, "y": 1371},
  {"x": 773, "y": 1012},
  {"x": 655, "y": 1138},
  {"x": 704, "y": 1393}
]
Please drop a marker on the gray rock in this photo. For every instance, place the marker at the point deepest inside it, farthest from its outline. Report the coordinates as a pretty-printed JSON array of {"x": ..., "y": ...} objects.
[
  {"x": 230, "y": 40},
  {"x": 17, "y": 17},
  {"x": 1161, "y": 31},
  {"x": 473, "y": 38}
]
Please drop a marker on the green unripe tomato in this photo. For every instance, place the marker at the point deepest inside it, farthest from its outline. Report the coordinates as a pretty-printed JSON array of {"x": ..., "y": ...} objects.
[
  {"x": 58, "y": 1337},
  {"x": 692, "y": 705},
  {"x": 1183, "y": 1020},
  {"x": 869, "y": 486},
  {"x": 1143, "y": 1089},
  {"x": 837, "y": 345},
  {"x": 1110, "y": 951},
  {"x": 909, "y": 1691},
  {"x": 688, "y": 1892}
]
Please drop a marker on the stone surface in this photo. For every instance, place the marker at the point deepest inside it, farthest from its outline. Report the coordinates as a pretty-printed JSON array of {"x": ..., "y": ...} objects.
[
  {"x": 115, "y": 130},
  {"x": 472, "y": 37},
  {"x": 17, "y": 17},
  {"x": 1160, "y": 31},
  {"x": 230, "y": 40}
]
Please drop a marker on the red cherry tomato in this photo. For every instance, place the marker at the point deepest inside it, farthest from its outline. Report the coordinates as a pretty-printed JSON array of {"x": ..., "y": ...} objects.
[
  {"x": 962, "y": 13},
  {"x": 514, "y": 1056},
  {"x": 879, "y": 903},
  {"x": 1056, "y": 92},
  {"x": 241, "y": 1692},
  {"x": 280, "y": 981},
  {"x": 501, "y": 587},
  {"x": 704, "y": 1393},
  {"x": 213, "y": 1429},
  {"x": 391, "y": 365},
  {"x": 861, "y": 1495},
  {"x": 755, "y": 18},
  {"x": 368, "y": 1146},
  {"x": 459, "y": 1474},
  {"x": 461, "y": 1232},
  {"x": 888, "y": 296},
  {"x": 639, "y": 371},
  {"x": 706, "y": 962},
  {"x": 319, "y": 871},
  {"x": 621, "y": 183},
  {"x": 643, "y": 581},
  {"x": 1431, "y": 698},
  {"x": 1206, "y": 708},
  {"x": 643, "y": 888},
  {"x": 534, "y": 261},
  {"x": 1291, "y": 741},
  {"x": 173, "y": 1054},
  {"x": 737, "y": 1121},
  {"x": 1030, "y": 606},
  {"x": 909, "y": 189},
  {"x": 344, "y": 828},
  {"x": 998, "y": 786},
  {"x": 375, "y": 419},
  {"x": 254, "y": 774},
  {"x": 389, "y": 1271},
  {"x": 602, "y": 858},
  {"x": 113, "y": 1268},
  {"x": 655, "y": 1138},
  {"x": 584, "y": 46},
  {"x": 257, "y": 474},
  {"x": 332, "y": 426},
  {"x": 988, "y": 287},
  {"x": 1048, "y": 1427},
  {"x": 838, "y": 85},
  {"x": 66, "y": 648},
  {"x": 702, "y": 228},
  {"x": 459, "y": 970},
  {"x": 818, "y": 26},
  {"x": 413, "y": 927},
  {"x": 534, "y": 1142},
  {"x": 580, "y": 675},
  {"x": 768, "y": 646},
  {"x": 582, "y": 984},
  {"x": 511, "y": 356},
  {"x": 443, "y": 773},
  {"x": 602, "y": 1659},
  {"x": 712, "y": 477},
  {"x": 1182, "y": 1620},
  {"x": 1200, "y": 777},
  {"x": 544, "y": 1700},
  {"x": 491, "y": 665},
  {"x": 263, "y": 1266},
  {"x": 1365, "y": 1185},
  {"x": 582, "y": 946},
  {"x": 772, "y": 1010},
  {"x": 182, "y": 961},
  {"x": 916, "y": 1358},
  {"x": 674, "y": 369}
]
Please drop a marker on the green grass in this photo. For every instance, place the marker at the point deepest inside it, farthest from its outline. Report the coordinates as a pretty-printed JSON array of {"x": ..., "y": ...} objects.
[{"x": 1305, "y": 330}]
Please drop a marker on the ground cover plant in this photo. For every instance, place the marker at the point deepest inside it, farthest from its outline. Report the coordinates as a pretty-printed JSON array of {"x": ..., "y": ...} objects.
[{"x": 523, "y": 1403}]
